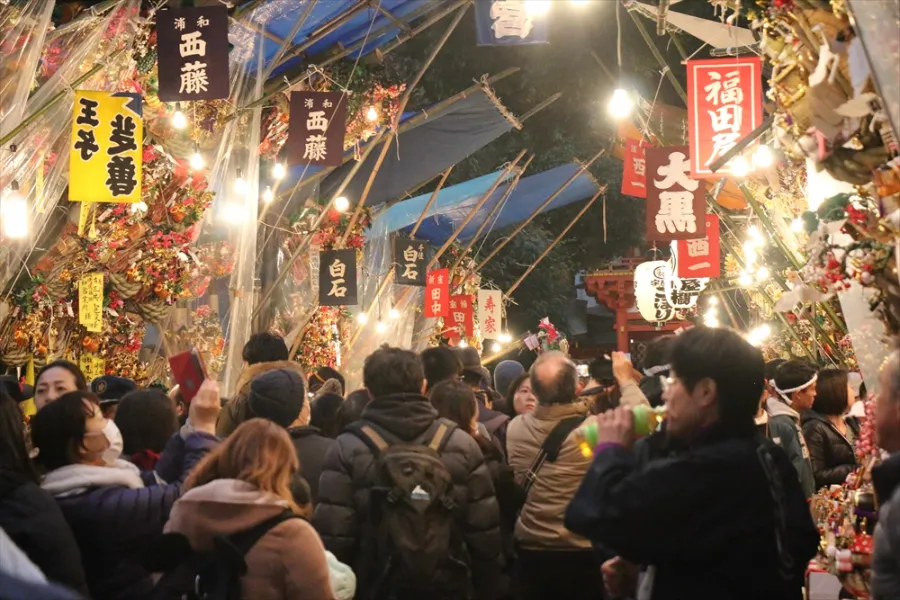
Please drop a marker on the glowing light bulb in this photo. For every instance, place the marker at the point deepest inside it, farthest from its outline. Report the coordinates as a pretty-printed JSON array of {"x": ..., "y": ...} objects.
[
  {"x": 505, "y": 338},
  {"x": 763, "y": 157},
  {"x": 341, "y": 204},
  {"x": 268, "y": 195},
  {"x": 797, "y": 225},
  {"x": 745, "y": 279},
  {"x": 393, "y": 314},
  {"x": 139, "y": 207},
  {"x": 711, "y": 321},
  {"x": 749, "y": 252},
  {"x": 712, "y": 300},
  {"x": 233, "y": 213},
  {"x": 762, "y": 274},
  {"x": 764, "y": 330},
  {"x": 496, "y": 347},
  {"x": 371, "y": 114},
  {"x": 179, "y": 121},
  {"x": 739, "y": 166},
  {"x": 197, "y": 163},
  {"x": 536, "y": 8},
  {"x": 240, "y": 186},
  {"x": 620, "y": 105},
  {"x": 710, "y": 314},
  {"x": 362, "y": 318},
  {"x": 14, "y": 210},
  {"x": 278, "y": 170},
  {"x": 380, "y": 327},
  {"x": 463, "y": 344}
]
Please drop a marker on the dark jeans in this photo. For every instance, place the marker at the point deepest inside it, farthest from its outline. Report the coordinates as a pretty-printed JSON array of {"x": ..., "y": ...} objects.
[{"x": 559, "y": 575}]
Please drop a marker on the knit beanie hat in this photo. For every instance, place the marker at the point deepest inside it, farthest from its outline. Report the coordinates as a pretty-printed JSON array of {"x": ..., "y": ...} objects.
[
  {"x": 505, "y": 373},
  {"x": 277, "y": 395}
]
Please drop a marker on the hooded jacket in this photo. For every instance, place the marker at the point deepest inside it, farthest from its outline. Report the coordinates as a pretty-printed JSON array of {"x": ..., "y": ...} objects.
[
  {"x": 831, "y": 454},
  {"x": 32, "y": 519},
  {"x": 237, "y": 410},
  {"x": 287, "y": 563},
  {"x": 312, "y": 446},
  {"x": 784, "y": 429},
  {"x": 705, "y": 519},
  {"x": 540, "y": 524},
  {"x": 345, "y": 489},
  {"x": 116, "y": 512}
]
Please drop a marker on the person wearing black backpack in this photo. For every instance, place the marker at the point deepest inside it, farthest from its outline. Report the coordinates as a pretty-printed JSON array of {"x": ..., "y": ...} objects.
[{"x": 405, "y": 497}]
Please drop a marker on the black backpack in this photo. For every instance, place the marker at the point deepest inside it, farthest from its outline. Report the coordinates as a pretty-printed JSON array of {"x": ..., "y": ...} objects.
[
  {"x": 413, "y": 547},
  {"x": 213, "y": 575}
]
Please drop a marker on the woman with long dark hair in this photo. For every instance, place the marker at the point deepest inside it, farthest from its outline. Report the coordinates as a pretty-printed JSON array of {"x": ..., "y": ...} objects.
[
  {"x": 519, "y": 397},
  {"x": 28, "y": 514},
  {"x": 829, "y": 434},
  {"x": 246, "y": 482},
  {"x": 55, "y": 379}
]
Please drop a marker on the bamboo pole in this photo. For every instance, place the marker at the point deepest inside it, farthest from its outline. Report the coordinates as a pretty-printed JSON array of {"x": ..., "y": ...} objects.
[
  {"x": 538, "y": 210},
  {"x": 405, "y": 37},
  {"x": 720, "y": 294},
  {"x": 320, "y": 33},
  {"x": 659, "y": 57},
  {"x": 547, "y": 250},
  {"x": 432, "y": 113},
  {"x": 497, "y": 206},
  {"x": 430, "y": 202},
  {"x": 289, "y": 39},
  {"x": 386, "y": 145},
  {"x": 540, "y": 106},
  {"x": 57, "y": 97}
]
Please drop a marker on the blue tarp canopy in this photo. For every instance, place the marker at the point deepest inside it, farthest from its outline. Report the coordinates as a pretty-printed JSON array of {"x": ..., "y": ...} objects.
[
  {"x": 426, "y": 150},
  {"x": 454, "y": 203},
  {"x": 369, "y": 24}
]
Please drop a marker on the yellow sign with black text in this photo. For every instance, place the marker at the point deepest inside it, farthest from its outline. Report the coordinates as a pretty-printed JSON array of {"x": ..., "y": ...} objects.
[
  {"x": 90, "y": 302},
  {"x": 105, "y": 159}
]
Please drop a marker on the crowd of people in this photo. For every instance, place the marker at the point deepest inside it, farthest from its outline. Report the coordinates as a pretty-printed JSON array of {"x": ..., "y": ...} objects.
[{"x": 439, "y": 479}]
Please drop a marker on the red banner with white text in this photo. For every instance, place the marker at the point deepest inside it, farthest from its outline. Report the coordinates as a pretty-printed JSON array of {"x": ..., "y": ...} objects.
[
  {"x": 437, "y": 293},
  {"x": 634, "y": 175},
  {"x": 700, "y": 257}
]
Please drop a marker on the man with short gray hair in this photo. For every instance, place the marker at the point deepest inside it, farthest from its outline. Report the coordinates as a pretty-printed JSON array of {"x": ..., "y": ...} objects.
[
  {"x": 543, "y": 451},
  {"x": 886, "y": 478}
]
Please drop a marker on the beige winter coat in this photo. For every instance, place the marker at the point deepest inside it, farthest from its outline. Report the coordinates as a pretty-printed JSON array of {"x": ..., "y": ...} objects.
[
  {"x": 236, "y": 411},
  {"x": 540, "y": 524},
  {"x": 287, "y": 563}
]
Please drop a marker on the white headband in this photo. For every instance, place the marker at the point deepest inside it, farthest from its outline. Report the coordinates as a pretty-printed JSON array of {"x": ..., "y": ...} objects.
[
  {"x": 657, "y": 370},
  {"x": 784, "y": 393}
]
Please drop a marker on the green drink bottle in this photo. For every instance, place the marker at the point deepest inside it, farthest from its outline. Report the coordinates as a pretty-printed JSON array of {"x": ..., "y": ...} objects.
[{"x": 646, "y": 420}]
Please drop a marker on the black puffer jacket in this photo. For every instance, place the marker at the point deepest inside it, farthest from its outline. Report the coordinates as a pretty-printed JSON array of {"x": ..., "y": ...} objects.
[
  {"x": 348, "y": 476},
  {"x": 830, "y": 453}
]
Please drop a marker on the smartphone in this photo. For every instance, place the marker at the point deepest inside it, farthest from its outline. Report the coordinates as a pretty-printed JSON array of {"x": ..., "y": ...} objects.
[
  {"x": 189, "y": 372},
  {"x": 582, "y": 370}
]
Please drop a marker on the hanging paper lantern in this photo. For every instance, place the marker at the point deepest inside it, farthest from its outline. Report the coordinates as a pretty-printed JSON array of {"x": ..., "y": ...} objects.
[{"x": 650, "y": 290}]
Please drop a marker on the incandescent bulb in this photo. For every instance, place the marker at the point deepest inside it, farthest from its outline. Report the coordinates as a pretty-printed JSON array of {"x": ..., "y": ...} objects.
[
  {"x": 536, "y": 8},
  {"x": 749, "y": 252},
  {"x": 505, "y": 338},
  {"x": 362, "y": 318},
  {"x": 394, "y": 314},
  {"x": 380, "y": 327},
  {"x": 278, "y": 170},
  {"x": 197, "y": 162},
  {"x": 14, "y": 210},
  {"x": 372, "y": 114},
  {"x": 745, "y": 279},
  {"x": 711, "y": 321},
  {"x": 341, "y": 204},
  {"x": 797, "y": 225},
  {"x": 179, "y": 121},
  {"x": 233, "y": 213},
  {"x": 762, "y": 274},
  {"x": 763, "y": 157},
  {"x": 268, "y": 195},
  {"x": 463, "y": 344},
  {"x": 497, "y": 347},
  {"x": 712, "y": 301},
  {"x": 240, "y": 186},
  {"x": 620, "y": 104},
  {"x": 739, "y": 166}
]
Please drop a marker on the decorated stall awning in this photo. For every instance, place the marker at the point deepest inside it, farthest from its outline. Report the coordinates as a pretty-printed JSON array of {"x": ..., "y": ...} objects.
[
  {"x": 424, "y": 151},
  {"x": 454, "y": 203}
]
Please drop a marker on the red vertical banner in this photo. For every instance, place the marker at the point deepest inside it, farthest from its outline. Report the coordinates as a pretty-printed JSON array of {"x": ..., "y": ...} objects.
[
  {"x": 461, "y": 316},
  {"x": 676, "y": 203},
  {"x": 437, "y": 293},
  {"x": 724, "y": 106},
  {"x": 634, "y": 175},
  {"x": 700, "y": 257}
]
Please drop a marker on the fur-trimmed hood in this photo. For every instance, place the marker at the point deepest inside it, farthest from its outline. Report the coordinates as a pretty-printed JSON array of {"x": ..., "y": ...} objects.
[{"x": 247, "y": 375}]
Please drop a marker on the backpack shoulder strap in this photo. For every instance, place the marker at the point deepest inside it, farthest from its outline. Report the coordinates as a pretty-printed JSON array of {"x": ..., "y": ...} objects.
[
  {"x": 368, "y": 433},
  {"x": 245, "y": 540},
  {"x": 550, "y": 449},
  {"x": 495, "y": 423},
  {"x": 439, "y": 434}
]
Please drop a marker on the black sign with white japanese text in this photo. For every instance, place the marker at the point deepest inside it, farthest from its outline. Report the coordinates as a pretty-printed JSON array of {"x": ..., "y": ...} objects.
[
  {"x": 193, "y": 53},
  {"x": 316, "y": 129},
  {"x": 337, "y": 278},
  {"x": 409, "y": 262}
]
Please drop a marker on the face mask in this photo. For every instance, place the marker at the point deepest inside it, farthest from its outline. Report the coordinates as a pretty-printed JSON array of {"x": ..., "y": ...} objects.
[{"x": 114, "y": 436}]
